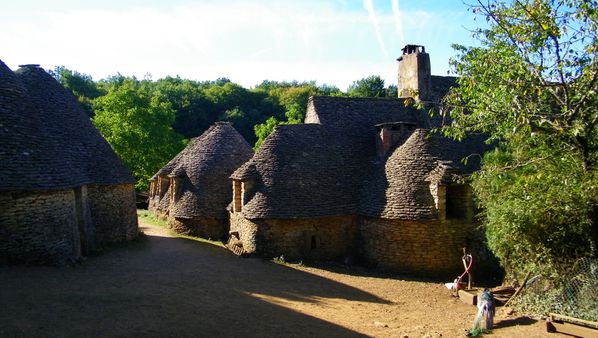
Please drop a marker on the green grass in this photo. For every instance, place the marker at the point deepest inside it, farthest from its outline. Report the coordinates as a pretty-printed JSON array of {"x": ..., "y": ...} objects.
[{"x": 147, "y": 217}]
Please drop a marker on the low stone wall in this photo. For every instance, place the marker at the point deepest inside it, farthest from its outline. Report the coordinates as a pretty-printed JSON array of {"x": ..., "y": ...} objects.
[
  {"x": 210, "y": 228},
  {"x": 113, "y": 213},
  {"x": 424, "y": 248},
  {"x": 323, "y": 238},
  {"x": 38, "y": 227}
]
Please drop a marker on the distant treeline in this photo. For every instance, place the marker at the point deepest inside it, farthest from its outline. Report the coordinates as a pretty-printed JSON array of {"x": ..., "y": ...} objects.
[{"x": 148, "y": 121}]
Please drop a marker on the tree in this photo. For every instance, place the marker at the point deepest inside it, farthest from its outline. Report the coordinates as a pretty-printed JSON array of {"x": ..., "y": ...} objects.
[
  {"x": 193, "y": 111},
  {"x": 531, "y": 86},
  {"x": 262, "y": 130},
  {"x": 137, "y": 124},
  {"x": 371, "y": 86},
  {"x": 293, "y": 98}
]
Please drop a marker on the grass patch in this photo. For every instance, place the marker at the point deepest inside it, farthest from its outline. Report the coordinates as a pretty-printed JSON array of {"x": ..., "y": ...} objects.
[{"x": 146, "y": 216}]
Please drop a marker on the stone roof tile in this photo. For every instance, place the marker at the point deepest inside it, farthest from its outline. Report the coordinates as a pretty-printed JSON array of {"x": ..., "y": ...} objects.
[
  {"x": 47, "y": 140},
  {"x": 203, "y": 169}
]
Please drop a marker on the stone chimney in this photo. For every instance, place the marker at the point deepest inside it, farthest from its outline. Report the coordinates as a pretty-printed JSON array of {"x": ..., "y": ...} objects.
[
  {"x": 415, "y": 77},
  {"x": 391, "y": 135}
]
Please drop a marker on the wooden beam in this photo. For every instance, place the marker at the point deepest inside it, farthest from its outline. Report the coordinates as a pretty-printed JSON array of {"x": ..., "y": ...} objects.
[
  {"x": 571, "y": 329},
  {"x": 556, "y": 316}
]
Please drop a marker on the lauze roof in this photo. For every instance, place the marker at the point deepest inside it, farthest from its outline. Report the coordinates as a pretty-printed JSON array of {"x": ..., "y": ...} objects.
[
  {"x": 203, "y": 169},
  {"x": 329, "y": 165},
  {"x": 48, "y": 142}
]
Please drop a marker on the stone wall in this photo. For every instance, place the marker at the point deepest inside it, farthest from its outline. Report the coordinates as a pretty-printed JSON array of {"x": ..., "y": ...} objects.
[
  {"x": 426, "y": 248},
  {"x": 210, "y": 228},
  {"x": 323, "y": 238},
  {"x": 243, "y": 233},
  {"x": 38, "y": 227},
  {"x": 113, "y": 213}
]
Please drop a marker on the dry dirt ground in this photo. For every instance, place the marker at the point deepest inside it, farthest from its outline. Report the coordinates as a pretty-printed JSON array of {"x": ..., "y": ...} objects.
[{"x": 162, "y": 286}]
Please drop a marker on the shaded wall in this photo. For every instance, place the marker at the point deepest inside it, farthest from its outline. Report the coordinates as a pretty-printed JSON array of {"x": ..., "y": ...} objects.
[
  {"x": 323, "y": 238},
  {"x": 113, "y": 213},
  {"x": 38, "y": 227}
]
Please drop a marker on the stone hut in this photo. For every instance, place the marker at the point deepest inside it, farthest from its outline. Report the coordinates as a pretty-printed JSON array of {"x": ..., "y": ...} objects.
[
  {"x": 64, "y": 192},
  {"x": 361, "y": 177},
  {"x": 193, "y": 189}
]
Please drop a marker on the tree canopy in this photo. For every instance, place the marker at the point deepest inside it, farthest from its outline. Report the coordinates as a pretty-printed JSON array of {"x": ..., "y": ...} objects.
[
  {"x": 371, "y": 86},
  {"x": 531, "y": 86}
]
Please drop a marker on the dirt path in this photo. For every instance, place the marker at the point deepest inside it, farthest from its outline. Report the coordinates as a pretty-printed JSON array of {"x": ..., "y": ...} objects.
[{"x": 163, "y": 287}]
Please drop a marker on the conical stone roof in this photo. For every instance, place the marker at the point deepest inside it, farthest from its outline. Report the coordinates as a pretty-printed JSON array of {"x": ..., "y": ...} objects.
[
  {"x": 399, "y": 188},
  {"x": 202, "y": 171},
  {"x": 92, "y": 159},
  {"x": 48, "y": 142},
  {"x": 29, "y": 159}
]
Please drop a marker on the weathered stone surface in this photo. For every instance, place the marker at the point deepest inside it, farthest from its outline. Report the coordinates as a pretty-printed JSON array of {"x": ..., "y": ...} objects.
[
  {"x": 210, "y": 228},
  {"x": 324, "y": 238},
  {"x": 113, "y": 213},
  {"x": 37, "y": 227},
  {"x": 431, "y": 248}
]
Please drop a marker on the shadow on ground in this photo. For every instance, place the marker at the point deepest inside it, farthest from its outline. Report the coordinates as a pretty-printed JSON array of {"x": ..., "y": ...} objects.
[
  {"x": 515, "y": 322},
  {"x": 163, "y": 286}
]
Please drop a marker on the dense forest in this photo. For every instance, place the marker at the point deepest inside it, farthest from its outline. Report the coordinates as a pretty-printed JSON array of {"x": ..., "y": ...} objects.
[{"x": 148, "y": 121}]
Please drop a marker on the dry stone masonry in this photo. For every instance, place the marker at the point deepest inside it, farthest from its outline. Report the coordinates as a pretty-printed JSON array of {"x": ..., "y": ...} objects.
[{"x": 63, "y": 192}]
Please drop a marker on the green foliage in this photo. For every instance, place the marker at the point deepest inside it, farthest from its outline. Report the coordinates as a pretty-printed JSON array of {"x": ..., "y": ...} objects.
[
  {"x": 292, "y": 98},
  {"x": 194, "y": 113},
  {"x": 262, "y": 130},
  {"x": 371, "y": 86},
  {"x": 137, "y": 124},
  {"x": 537, "y": 212},
  {"x": 531, "y": 87},
  {"x": 477, "y": 332}
]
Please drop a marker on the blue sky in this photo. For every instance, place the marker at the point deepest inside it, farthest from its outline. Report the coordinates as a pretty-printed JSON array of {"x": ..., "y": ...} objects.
[{"x": 329, "y": 41}]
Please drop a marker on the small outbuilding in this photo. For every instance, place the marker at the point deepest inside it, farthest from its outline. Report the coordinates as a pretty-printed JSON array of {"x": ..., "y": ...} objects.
[{"x": 192, "y": 190}]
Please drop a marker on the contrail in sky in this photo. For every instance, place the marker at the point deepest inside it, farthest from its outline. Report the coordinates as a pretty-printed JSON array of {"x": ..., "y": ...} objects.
[
  {"x": 398, "y": 22},
  {"x": 369, "y": 6}
]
